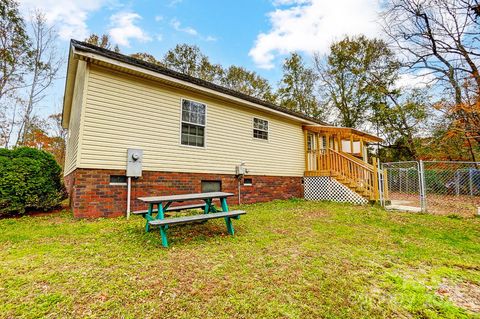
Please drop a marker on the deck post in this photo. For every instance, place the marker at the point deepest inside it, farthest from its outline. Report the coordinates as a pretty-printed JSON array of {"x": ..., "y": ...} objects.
[
  {"x": 351, "y": 144},
  {"x": 375, "y": 178},
  {"x": 327, "y": 151},
  {"x": 361, "y": 148},
  {"x": 317, "y": 152},
  {"x": 305, "y": 137}
]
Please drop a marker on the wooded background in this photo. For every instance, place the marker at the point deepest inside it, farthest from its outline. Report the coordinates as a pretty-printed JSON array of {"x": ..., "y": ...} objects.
[{"x": 417, "y": 86}]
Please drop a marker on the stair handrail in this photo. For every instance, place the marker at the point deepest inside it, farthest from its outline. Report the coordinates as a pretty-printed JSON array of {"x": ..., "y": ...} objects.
[
  {"x": 356, "y": 171},
  {"x": 354, "y": 159},
  {"x": 365, "y": 173}
]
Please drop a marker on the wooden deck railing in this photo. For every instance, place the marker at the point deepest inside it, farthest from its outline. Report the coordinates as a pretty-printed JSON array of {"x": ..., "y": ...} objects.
[{"x": 349, "y": 170}]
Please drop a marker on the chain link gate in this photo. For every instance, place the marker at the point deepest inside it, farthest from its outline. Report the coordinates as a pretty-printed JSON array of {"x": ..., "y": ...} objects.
[
  {"x": 405, "y": 190},
  {"x": 438, "y": 187}
]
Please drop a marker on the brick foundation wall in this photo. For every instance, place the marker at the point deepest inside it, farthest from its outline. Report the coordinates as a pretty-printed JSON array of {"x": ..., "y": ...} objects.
[{"x": 91, "y": 194}]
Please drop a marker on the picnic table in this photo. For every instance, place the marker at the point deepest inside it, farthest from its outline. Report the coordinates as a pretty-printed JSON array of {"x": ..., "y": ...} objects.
[{"x": 164, "y": 204}]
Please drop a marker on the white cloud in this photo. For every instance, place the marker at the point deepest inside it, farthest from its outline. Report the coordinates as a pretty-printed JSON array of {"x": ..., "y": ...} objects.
[
  {"x": 210, "y": 38},
  {"x": 311, "y": 25},
  {"x": 123, "y": 28},
  {"x": 417, "y": 80},
  {"x": 178, "y": 26},
  {"x": 158, "y": 18},
  {"x": 288, "y": 2},
  {"x": 173, "y": 3},
  {"x": 69, "y": 16}
]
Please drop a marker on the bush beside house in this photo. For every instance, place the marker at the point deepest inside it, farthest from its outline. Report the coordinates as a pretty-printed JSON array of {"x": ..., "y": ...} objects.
[{"x": 30, "y": 179}]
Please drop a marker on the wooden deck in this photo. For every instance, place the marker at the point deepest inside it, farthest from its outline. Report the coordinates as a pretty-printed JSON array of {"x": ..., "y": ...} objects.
[{"x": 324, "y": 157}]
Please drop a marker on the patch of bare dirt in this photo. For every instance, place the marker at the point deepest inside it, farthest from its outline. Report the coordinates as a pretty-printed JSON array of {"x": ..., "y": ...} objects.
[
  {"x": 465, "y": 294},
  {"x": 35, "y": 213},
  {"x": 462, "y": 205},
  {"x": 314, "y": 214}
]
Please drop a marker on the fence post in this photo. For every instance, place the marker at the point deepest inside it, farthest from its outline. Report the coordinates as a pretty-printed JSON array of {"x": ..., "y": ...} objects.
[
  {"x": 380, "y": 184},
  {"x": 385, "y": 185},
  {"x": 423, "y": 191}
]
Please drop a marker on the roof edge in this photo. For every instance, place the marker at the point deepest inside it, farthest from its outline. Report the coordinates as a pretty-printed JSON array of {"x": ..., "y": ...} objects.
[
  {"x": 89, "y": 48},
  {"x": 69, "y": 86},
  {"x": 324, "y": 128}
]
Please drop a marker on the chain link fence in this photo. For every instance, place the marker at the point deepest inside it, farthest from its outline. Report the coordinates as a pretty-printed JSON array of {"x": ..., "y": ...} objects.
[{"x": 437, "y": 187}]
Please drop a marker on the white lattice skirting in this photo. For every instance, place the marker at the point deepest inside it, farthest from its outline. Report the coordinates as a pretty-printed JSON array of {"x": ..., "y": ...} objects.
[{"x": 328, "y": 188}]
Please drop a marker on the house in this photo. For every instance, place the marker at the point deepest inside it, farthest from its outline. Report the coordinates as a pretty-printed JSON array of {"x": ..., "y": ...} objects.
[{"x": 193, "y": 135}]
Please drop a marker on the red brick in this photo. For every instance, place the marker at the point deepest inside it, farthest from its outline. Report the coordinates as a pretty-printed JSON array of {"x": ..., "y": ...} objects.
[{"x": 94, "y": 197}]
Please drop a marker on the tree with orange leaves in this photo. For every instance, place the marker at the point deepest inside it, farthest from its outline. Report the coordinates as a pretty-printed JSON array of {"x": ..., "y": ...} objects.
[{"x": 48, "y": 136}]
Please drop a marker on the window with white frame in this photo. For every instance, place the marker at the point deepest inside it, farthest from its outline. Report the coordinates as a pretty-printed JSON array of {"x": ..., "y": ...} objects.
[
  {"x": 260, "y": 129},
  {"x": 193, "y": 123}
]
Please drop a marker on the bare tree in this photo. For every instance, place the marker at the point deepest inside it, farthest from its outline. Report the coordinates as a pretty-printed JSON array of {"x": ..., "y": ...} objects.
[
  {"x": 45, "y": 65},
  {"x": 440, "y": 36},
  {"x": 441, "y": 39},
  {"x": 14, "y": 44},
  {"x": 14, "y": 62}
]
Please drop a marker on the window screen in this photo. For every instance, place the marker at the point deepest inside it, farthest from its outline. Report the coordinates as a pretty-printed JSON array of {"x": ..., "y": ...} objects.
[
  {"x": 260, "y": 129},
  {"x": 193, "y": 123}
]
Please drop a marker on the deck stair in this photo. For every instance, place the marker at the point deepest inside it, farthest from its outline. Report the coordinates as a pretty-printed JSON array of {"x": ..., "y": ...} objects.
[{"x": 359, "y": 176}]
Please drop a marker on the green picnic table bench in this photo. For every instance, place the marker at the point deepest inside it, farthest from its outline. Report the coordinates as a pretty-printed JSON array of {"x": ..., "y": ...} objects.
[{"x": 163, "y": 204}]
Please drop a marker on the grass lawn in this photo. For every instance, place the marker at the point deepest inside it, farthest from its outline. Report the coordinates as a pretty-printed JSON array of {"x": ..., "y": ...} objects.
[{"x": 288, "y": 259}]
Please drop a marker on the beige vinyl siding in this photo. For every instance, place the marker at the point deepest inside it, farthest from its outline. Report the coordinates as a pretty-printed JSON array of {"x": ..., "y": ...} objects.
[
  {"x": 125, "y": 111},
  {"x": 74, "y": 128}
]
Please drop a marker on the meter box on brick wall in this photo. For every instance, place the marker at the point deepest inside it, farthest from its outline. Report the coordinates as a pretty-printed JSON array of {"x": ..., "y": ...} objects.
[{"x": 134, "y": 162}]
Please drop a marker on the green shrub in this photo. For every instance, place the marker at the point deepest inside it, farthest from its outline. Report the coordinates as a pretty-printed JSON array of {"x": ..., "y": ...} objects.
[{"x": 29, "y": 179}]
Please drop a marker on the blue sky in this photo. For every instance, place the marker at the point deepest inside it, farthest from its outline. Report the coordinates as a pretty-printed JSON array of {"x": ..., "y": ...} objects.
[
  {"x": 225, "y": 32},
  {"x": 256, "y": 34}
]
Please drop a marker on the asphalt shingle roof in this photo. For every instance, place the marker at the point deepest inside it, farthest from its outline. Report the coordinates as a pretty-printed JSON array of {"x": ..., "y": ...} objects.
[{"x": 86, "y": 47}]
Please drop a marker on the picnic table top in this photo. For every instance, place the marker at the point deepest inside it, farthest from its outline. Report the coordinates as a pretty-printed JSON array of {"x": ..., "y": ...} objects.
[{"x": 184, "y": 197}]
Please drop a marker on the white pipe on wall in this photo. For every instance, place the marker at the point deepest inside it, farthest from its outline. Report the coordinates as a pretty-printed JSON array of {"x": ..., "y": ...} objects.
[
  {"x": 239, "y": 188},
  {"x": 129, "y": 193}
]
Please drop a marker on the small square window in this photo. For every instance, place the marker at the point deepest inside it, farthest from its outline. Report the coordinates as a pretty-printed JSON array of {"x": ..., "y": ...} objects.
[
  {"x": 118, "y": 180},
  {"x": 247, "y": 182},
  {"x": 211, "y": 186}
]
